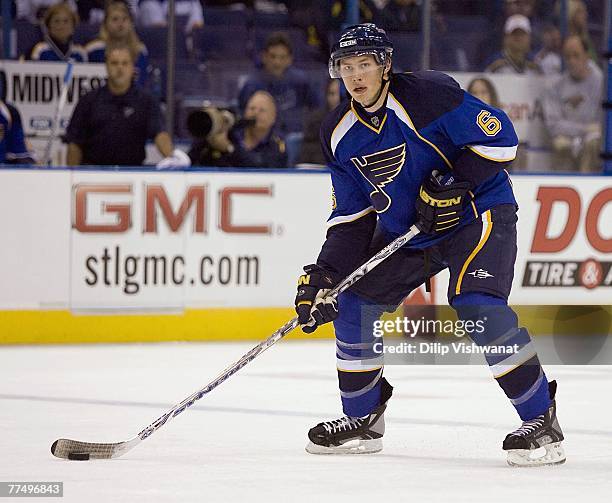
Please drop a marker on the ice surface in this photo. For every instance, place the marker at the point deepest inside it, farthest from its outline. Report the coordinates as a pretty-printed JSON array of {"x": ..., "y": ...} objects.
[{"x": 245, "y": 440}]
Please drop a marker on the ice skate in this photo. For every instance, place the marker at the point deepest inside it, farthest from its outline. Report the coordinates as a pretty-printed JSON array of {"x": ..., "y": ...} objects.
[
  {"x": 352, "y": 435},
  {"x": 542, "y": 433}
]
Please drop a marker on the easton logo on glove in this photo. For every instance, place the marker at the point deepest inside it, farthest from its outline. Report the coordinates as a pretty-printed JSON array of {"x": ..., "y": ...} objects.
[
  {"x": 439, "y": 207},
  {"x": 439, "y": 203},
  {"x": 311, "y": 304}
]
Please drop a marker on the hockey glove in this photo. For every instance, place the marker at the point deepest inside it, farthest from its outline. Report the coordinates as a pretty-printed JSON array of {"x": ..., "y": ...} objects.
[
  {"x": 311, "y": 306},
  {"x": 439, "y": 205},
  {"x": 178, "y": 159}
]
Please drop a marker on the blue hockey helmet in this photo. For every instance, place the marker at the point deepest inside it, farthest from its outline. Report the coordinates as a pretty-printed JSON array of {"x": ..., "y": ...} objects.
[{"x": 360, "y": 40}]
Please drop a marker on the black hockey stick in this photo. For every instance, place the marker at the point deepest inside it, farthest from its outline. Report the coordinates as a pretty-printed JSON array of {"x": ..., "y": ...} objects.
[{"x": 76, "y": 450}]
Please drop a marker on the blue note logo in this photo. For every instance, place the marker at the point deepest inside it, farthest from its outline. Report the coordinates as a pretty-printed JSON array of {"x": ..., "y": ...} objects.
[{"x": 379, "y": 169}]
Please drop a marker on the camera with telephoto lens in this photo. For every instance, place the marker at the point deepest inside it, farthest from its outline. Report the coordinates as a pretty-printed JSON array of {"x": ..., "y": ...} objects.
[{"x": 210, "y": 121}]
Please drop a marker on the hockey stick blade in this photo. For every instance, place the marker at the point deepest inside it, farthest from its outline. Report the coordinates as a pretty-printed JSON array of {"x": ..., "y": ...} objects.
[
  {"x": 77, "y": 450},
  {"x": 74, "y": 449}
]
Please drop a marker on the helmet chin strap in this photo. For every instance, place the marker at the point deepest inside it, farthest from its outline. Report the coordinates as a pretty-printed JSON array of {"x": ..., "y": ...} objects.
[{"x": 383, "y": 82}]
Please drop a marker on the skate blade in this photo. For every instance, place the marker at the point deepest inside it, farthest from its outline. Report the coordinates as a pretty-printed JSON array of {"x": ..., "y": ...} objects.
[
  {"x": 356, "y": 446},
  {"x": 553, "y": 455}
]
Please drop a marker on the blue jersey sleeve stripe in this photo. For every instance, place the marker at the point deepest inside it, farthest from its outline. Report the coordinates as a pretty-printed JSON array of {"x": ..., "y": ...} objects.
[
  {"x": 345, "y": 219},
  {"x": 402, "y": 115},
  {"x": 497, "y": 154},
  {"x": 341, "y": 129}
]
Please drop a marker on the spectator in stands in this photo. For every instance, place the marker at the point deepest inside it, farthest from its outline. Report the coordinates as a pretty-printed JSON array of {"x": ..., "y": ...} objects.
[
  {"x": 289, "y": 87},
  {"x": 311, "y": 145},
  {"x": 93, "y": 11},
  {"x": 368, "y": 12},
  {"x": 578, "y": 24},
  {"x": 572, "y": 108},
  {"x": 401, "y": 15},
  {"x": 34, "y": 10},
  {"x": 484, "y": 90},
  {"x": 58, "y": 27},
  {"x": 118, "y": 28},
  {"x": 252, "y": 143},
  {"x": 523, "y": 7},
  {"x": 155, "y": 13},
  {"x": 514, "y": 58},
  {"x": 13, "y": 149},
  {"x": 110, "y": 125},
  {"x": 548, "y": 58},
  {"x": 313, "y": 17},
  {"x": 498, "y": 12}
]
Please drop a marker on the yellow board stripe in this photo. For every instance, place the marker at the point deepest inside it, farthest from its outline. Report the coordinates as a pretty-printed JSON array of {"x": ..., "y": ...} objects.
[
  {"x": 486, "y": 221},
  {"x": 221, "y": 324}
]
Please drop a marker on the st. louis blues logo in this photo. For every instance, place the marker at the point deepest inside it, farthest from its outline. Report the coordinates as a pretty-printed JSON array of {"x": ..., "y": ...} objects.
[{"x": 379, "y": 169}]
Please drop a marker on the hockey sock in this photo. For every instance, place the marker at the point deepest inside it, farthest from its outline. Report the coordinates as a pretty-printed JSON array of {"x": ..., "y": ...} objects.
[
  {"x": 359, "y": 367},
  {"x": 519, "y": 372}
]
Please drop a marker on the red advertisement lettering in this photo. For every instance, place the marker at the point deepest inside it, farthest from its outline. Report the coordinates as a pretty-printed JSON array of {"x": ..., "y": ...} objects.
[
  {"x": 592, "y": 220},
  {"x": 548, "y": 196},
  {"x": 156, "y": 197},
  {"x": 226, "y": 222},
  {"x": 122, "y": 211}
]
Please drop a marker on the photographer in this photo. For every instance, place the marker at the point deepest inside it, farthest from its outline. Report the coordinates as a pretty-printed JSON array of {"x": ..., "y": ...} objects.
[{"x": 247, "y": 143}]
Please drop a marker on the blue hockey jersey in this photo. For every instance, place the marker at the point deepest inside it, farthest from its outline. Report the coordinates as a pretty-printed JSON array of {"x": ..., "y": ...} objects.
[
  {"x": 12, "y": 142},
  {"x": 379, "y": 160},
  {"x": 47, "y": 50}
]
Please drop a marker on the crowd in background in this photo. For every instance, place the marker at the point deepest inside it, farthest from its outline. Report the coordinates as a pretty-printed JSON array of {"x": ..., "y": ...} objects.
[{"x": 278, "y": 106}]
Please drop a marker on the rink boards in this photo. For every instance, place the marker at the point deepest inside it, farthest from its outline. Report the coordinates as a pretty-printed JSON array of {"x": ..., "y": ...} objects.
[{"x": 92, "y": 256}]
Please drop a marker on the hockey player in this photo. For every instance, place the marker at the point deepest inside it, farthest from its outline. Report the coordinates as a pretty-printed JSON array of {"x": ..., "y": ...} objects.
[
  {"x": 382, "y": 146},
  {"x": 13, "y": 149}
]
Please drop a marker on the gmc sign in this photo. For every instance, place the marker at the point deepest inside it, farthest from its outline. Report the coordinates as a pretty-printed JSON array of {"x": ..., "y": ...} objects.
[{"x": 116, "y": 217}]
